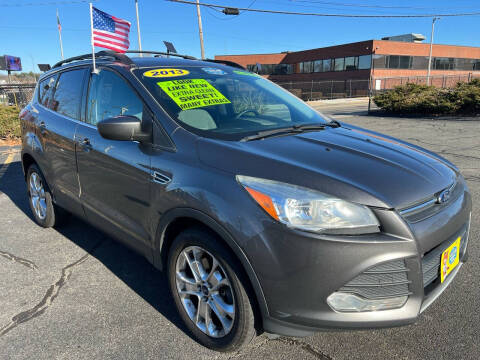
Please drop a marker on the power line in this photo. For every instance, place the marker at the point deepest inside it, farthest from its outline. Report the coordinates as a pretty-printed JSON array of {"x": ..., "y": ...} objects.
[
  {"x": 46, "y": 3},
  {"x": 280, "y": 12},
  {"x": 360, "y": 5}
]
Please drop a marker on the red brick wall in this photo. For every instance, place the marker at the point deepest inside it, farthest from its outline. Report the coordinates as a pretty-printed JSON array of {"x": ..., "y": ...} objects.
[
  {"x": 245, "y": 60},
  {"x": 403, "y": 48},
  {"x": 382, "y": 47}
]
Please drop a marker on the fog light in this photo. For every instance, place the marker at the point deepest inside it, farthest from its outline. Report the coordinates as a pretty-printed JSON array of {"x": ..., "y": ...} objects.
[{"x": 345, "y": 302}]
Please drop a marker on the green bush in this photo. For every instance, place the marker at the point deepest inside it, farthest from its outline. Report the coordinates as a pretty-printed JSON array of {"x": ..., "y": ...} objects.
[
  {"x": 9, "y": 123},
  {"x": 463, "y": 99}
]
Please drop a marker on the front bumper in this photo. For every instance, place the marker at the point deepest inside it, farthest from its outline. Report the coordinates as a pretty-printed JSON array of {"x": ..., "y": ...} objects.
[{"x": 303, "y": 269}]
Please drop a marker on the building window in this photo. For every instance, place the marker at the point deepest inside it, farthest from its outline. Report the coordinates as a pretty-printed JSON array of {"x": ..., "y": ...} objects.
[
  {"x": 364, "y": 62},
  {"x": 317, "y": 65},
  {"x": 399, "y": 62},
  {"x": 307, "y": 67},
  {"x": 444, "y": 63},
  {"x": 339, "y": 64},
  {"x": 271, "y": 69},
  {"x": 351, "y": 63},
  {"x": 327, "y": 65}
]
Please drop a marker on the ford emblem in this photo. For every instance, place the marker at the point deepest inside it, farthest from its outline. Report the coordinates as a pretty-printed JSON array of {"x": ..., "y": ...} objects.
[{"x": 443, "y": 197}]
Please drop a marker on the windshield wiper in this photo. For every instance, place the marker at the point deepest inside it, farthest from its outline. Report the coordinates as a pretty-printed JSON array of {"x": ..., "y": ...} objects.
[{"x": 295, "y": 129}]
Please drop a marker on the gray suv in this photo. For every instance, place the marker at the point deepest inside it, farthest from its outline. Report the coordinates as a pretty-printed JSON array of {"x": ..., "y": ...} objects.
[{"x": 265, "y": 215}]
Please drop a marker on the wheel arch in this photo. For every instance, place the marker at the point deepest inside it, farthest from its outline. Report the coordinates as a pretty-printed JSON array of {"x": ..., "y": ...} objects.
[
  {"x": 176, "y": 220},
  {"x": 27, "y": 160}
]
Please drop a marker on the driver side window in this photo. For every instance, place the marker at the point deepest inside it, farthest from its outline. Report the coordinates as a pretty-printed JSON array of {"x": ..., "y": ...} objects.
[{"x": 109, "y": 95}]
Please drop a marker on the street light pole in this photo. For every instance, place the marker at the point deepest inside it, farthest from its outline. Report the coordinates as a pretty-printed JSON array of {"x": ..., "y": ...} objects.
[
  {"x": 430, "y": 54},
  {"x": 370, "y": 80},
  {"x": 200, "y": 30}
]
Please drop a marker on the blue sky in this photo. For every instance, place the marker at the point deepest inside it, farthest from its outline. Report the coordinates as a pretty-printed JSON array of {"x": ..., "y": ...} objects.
[{"x": 30, "y": 31}]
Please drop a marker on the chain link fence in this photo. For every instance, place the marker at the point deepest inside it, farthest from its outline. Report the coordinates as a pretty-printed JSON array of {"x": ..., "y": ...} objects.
[
  {"x": 327, "y": 89},
  {"x": 18, "y": 94},
  {"x": 337, "y": 89},
  {"x": 440, "y": 81}
]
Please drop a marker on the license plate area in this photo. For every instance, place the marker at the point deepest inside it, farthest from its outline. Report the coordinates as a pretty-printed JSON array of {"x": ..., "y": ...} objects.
[{"x": 449, "y": 259}]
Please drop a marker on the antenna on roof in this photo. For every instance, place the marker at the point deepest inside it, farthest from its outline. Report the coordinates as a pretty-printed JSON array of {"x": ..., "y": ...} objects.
[{"x": 170, "y": 47}]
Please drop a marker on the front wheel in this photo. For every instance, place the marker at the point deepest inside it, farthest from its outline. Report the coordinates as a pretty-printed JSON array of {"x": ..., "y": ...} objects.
[
  {"x": 45, "y": 212},
  {"x": 206, "y": 284}
]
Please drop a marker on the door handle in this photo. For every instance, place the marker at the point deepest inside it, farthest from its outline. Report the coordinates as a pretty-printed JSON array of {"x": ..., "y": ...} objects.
[
  {"x": 42, "y": 127},
  {"x": 85, "y": 144}
]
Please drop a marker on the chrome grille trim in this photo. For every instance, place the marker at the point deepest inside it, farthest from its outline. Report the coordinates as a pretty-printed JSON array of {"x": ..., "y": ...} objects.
[
  {"x": 426, "y": 208},
  {"x": 382, "y": 281},
  {"x": 418, "y": 208}
]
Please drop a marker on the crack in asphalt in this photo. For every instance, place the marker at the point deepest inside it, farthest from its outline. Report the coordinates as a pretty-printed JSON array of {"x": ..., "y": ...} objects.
[
  {"x": 305, "y": 346},
  {"x": 241, "y": 353},
  {"x": 312, "y": 350},
  {"x": 49, "y": 296},
  {"x": 18, "y": 260}
]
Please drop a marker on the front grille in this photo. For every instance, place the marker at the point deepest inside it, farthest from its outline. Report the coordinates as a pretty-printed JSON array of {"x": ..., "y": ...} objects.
[
  {"x": 429, "y": 207},
  {"x": 381, "y": 281},
  {"x": 431, "y": 259}
]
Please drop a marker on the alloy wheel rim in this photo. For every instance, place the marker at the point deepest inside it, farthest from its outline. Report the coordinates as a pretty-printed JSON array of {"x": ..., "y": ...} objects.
[
  {"x": 205, "y": 291},
  {"x": 37, "y": 196}
]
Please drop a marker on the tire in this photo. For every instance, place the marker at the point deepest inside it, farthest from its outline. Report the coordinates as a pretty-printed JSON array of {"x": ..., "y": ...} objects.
[
  {"x": 45, "y": 212},
  {"x": 234, "y": 331}
]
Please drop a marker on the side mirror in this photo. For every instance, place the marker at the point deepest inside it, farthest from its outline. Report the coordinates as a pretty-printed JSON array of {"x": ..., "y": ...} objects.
[{"x": 122, "y": 127}]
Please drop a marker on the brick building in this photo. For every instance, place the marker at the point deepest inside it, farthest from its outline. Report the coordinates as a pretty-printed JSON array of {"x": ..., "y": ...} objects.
[{"x": 401, "y": 60}]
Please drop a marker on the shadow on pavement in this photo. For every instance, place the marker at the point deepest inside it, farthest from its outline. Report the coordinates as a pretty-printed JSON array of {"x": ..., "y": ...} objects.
[{"x": 134, "y": 270}]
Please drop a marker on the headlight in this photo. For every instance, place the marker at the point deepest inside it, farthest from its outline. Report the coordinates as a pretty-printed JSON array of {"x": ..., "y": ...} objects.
[{"x": 309, "y": 210}]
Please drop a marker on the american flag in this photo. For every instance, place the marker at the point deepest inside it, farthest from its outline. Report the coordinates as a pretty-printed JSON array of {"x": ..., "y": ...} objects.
[{"x": 110, "y": 32}]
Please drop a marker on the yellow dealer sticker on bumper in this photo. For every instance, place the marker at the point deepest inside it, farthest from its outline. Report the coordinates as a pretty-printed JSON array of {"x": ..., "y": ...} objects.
[
  {"x": 161, "y": 73},
  {"x": 192, "y": 93},
  {"x": 450, "y": 259}
]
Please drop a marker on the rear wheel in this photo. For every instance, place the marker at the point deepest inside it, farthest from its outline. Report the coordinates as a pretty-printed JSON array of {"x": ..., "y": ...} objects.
[
  {"x": 206, "y": 284},
  {"x": 45, "y": 212}
]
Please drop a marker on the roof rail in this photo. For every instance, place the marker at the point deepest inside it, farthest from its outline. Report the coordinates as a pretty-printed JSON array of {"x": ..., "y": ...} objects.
[
  {"x": 160, "y": 53},
  {"x": 226, "y": 62},
  {"x": 100, "y": 54}
]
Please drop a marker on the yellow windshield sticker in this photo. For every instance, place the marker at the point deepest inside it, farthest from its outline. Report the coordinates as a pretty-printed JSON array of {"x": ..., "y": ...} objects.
[
  {"x": 161, "y": 73},
  {"x": 192, "y": 93}
]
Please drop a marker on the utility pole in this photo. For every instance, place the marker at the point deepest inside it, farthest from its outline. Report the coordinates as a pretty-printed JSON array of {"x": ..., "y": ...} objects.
[
  {"x": 200, "y": 30},
  {"x": 431, "y": 46},
  {"x": 138, "y": 29},
  {"x": 371, "y": 78}
]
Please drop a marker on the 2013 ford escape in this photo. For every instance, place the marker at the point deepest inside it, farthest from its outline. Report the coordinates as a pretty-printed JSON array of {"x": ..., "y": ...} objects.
[{"x": 265, "y": 215}]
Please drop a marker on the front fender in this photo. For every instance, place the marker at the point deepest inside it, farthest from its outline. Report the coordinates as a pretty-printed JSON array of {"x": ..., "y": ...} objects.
[{"x": 200, "y": 216}]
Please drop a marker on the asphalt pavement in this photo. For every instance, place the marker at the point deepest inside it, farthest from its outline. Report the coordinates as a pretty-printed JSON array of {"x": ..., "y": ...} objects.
[{"x": 73, "y": 293}]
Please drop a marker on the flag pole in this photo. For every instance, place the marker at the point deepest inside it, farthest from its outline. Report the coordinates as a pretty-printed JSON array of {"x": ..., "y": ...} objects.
[
  {"x": 138, "y": 29},
  {"x": 60, "y": 34},
  {"x": 91, "y": 39}
]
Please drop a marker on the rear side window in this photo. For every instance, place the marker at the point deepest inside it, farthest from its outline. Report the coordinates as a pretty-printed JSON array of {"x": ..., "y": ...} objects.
[
  {"x": 45, "y": 89},
  {"x": 68, "y": 93},
  {"x": 109, "y": 95}
]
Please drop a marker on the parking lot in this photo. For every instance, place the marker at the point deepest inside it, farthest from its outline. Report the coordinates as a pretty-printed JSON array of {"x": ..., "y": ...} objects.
[{"x": 73, "y": 293}]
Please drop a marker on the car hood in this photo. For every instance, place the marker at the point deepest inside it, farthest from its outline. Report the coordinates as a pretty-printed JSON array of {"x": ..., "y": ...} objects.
[{"x": 348, "y": 162}]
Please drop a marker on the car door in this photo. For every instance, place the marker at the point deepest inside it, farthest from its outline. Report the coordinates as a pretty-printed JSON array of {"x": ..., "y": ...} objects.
[
  {"x": 114, "y": 175},
  {"x": 59, "y": 115}
]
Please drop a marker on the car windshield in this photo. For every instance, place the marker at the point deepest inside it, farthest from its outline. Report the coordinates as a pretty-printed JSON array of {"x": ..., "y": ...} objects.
[{"x": 224, "y": 102}]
